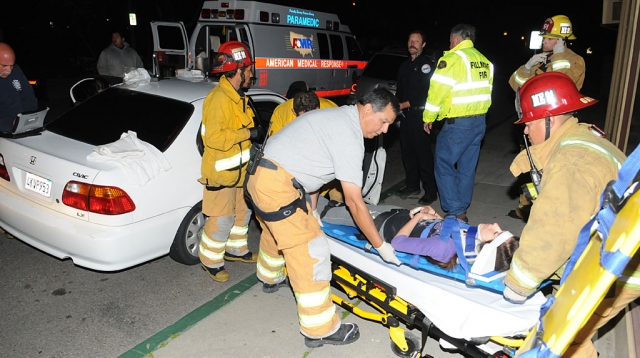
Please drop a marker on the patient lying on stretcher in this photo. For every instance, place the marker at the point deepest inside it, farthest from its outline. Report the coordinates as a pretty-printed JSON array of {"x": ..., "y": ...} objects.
[{"x": 419, "y": 234}]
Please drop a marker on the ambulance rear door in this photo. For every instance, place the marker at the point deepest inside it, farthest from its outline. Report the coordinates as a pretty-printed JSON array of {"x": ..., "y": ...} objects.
[{"x": 171, "y": 46}]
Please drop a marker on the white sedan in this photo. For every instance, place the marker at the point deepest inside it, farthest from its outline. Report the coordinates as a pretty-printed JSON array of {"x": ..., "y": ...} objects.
[{"x": 55, "y": 199}]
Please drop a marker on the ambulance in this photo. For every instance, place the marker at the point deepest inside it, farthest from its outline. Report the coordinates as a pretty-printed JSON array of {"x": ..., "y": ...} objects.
[{"x": 288, "y": 44}]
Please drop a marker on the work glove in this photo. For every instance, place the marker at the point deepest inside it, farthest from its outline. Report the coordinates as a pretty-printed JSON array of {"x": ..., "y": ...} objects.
[
  {"x": 559, "y": 46},
  {"x": 513, "y": 297},
  {"x": 388, "y": 254},
  {"x": 256, "y": 134},
  {"x": 535, "y": 59},
  {"x": 317, "y": 216}
]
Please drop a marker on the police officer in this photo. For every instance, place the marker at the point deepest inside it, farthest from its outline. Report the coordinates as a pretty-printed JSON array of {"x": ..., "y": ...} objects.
[
  {"x": 227, "y": 131},
  {"x": 555, "y": 55},
  {"x": 413, "y": 85},
  {"x": 460, "y": 94}
]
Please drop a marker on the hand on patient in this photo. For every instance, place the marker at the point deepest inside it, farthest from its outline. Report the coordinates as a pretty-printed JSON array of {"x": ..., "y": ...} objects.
[
  {"x": 388, "y": 253},
  {"x": 424, "y": 213}
]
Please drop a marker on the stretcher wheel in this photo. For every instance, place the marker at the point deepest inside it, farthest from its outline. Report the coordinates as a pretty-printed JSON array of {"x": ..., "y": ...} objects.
[{"x": 412, "y": 342}]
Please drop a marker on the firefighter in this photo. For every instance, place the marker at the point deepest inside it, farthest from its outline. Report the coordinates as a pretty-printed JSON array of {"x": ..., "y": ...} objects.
[
  {"x": 317, "y": 147},
  {"x": 284, "y": 113},
  {"x": 555, "y": 55},
  {"x": 227, "y": 131},
  {"x": 576, "y": 166},
  {"x": 460, "y": 94}
]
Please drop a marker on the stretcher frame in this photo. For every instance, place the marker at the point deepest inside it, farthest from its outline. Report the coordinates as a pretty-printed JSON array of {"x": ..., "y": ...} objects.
[{"x": 393, "y": 310}]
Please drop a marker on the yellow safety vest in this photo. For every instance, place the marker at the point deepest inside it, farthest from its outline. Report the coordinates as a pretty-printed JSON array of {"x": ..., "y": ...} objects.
[{"x": 461, "y": 84}]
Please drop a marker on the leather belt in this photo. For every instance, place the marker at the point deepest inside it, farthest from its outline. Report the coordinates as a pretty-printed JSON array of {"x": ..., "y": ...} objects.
[
  {"x": 415, "y": 108},
  {"x": 453, "y": 120}
]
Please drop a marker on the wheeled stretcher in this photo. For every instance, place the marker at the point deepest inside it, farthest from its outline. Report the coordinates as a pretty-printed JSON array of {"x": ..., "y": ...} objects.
[
  {"x": 477, "y": 320},
  {"x": 442, "y": 307}
]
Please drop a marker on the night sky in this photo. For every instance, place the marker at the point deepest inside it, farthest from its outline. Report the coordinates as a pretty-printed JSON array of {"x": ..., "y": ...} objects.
[{"x": 63, "y": 38}]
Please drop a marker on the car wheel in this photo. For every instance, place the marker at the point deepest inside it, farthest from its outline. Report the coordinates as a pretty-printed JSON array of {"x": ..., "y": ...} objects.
[{"x": 185, "y": 245}]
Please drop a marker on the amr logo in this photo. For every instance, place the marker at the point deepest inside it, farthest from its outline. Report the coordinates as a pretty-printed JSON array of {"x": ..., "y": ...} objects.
[{"x": 301, "y": 43}]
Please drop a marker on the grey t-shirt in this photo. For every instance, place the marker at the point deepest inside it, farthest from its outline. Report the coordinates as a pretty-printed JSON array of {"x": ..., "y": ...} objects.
[{"x": 320, "y": 146}]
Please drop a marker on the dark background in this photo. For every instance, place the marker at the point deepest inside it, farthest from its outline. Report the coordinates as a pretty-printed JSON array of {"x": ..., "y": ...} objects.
[{"x": 63, "y": 38}]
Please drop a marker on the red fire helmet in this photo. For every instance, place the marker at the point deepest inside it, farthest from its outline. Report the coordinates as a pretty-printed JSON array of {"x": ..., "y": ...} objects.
[
  {"x": 549, "y": 94},
  {"x": 231, "y": 56}
]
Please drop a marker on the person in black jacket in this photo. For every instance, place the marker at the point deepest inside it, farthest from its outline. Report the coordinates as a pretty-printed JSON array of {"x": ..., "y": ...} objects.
[
  {"x": 413, "y": 85},
  {"x": 16, "y": 94}
]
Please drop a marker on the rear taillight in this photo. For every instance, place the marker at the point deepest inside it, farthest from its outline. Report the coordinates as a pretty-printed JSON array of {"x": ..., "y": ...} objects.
[
  {"x": 4, "y": 173},
  {"x": 107, "y": 200}
]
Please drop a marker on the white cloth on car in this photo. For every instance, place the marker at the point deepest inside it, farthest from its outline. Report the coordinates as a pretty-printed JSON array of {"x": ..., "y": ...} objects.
[{"x": 141, "y": 161}]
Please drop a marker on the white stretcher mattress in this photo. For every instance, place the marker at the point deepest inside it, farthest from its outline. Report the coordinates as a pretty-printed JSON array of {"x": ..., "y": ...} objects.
[{"x": 456, "y": 309}]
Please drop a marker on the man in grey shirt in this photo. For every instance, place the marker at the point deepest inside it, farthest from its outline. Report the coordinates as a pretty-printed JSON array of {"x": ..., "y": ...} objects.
[
  {"x": 117, "y": 56},
  {"x": 317, "y": 147}
]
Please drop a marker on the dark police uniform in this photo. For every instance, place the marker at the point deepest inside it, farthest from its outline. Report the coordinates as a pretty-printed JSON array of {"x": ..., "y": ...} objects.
[{"x": 413, "y": 86}]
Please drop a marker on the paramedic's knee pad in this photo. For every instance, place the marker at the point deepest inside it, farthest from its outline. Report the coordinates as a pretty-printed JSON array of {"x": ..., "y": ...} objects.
[{"x": 319, "y": 250}]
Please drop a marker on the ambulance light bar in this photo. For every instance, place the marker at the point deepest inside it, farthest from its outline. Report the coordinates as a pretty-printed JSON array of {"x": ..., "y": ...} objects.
[
  {"x": 237, "y": 14},
  {"x": 264, "y": 17},
  {"x": 333, "y": 25}
]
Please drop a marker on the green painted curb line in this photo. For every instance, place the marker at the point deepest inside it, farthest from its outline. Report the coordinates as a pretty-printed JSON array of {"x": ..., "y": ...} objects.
[{"x": 161, "y": 338}]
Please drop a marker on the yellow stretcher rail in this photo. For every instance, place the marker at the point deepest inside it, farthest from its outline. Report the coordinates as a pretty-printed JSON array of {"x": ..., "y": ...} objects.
[{"x": 587, "y": 284}]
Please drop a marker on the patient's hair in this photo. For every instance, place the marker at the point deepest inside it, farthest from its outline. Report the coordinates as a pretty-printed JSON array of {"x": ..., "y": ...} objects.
[{"x": 504, "y": 255}]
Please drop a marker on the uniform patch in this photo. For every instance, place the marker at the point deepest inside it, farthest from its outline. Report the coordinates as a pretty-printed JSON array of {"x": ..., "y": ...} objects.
[
  {"x": 442, "y": 64},
  {"x": 426, "y": 68},
  {"x": 16, "y": 85}
]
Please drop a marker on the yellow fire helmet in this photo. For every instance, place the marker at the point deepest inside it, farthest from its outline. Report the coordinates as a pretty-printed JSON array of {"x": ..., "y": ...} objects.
[{"x": 558, "y": 27}]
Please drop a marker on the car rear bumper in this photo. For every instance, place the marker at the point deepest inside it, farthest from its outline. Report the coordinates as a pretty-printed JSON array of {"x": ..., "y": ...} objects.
[{"x": 96, "y": 247}]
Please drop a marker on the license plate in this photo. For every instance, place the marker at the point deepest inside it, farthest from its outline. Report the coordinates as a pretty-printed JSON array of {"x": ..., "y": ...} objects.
[{"x": 38, "y": 184}]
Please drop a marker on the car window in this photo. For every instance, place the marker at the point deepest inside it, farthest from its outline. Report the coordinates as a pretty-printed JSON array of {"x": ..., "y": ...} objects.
[
  {"x": 265, "y": 110},
  {"x": 103, "y": 118},
  {"x": 384, "y": 67}
]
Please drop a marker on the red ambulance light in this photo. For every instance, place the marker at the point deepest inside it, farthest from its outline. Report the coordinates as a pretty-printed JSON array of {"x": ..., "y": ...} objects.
[
  {"x": 224, "y": 4},
  {"x": 205, "y": 13},
  {"x": 106, "y": 200},
  {"x": 264, "y": 16},
  {"x": 239, "y": 14},
  {"x": 336, "y": 26},
  {"x": 4, "y": 173}
]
